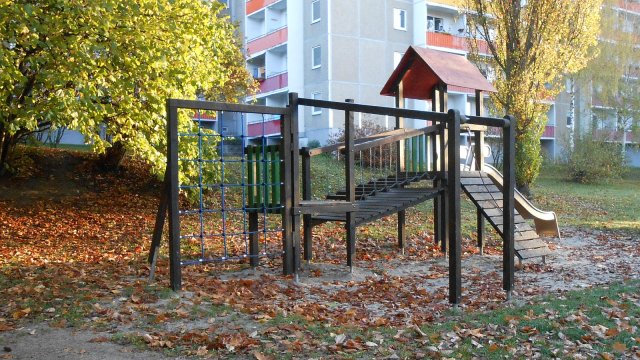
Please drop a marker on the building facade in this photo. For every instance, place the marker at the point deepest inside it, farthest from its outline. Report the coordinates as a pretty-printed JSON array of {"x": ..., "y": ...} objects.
[{"x": 337, "y": 50}]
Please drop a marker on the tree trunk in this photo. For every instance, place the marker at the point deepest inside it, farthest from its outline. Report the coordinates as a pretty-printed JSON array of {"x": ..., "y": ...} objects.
[
  {"x": 5, "y": 147},
  {"x": 113, "y": 156}
]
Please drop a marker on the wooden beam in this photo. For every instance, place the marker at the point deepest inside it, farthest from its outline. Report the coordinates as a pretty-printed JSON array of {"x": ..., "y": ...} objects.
[
  {"x": 175, "y": 271},
  {"x": 508, "y": 186},
  {"x": 453, "y": 200}
]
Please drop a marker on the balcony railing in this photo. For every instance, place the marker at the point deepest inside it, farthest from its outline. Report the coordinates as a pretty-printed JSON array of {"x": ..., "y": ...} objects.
[
  {"x": 274, "y": 82},
  {"x": 264, "y": 128},
  {"x": 267, "y": 41},
  {"x": 549, "y": 132},
  {"x": 449, "y": 41},
  {"x": 614, "y": 136},
  {"x": 255, "y": 5},
  {"x": 449, "y": 3},
  {"x": 630, "y": 6}
]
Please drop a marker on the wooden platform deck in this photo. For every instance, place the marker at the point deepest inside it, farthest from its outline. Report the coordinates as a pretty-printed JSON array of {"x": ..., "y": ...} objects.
[
  {"x": 383, "y": 203},
  {"x": 382, "y": 197},
  {"x": 488, "y": 199}
]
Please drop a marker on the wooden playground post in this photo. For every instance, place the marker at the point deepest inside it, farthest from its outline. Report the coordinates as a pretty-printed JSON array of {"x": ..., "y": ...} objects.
[
  {"x": 175, "y": 271},
  {"x": 161, "y": 215},
  {"x": 290, "y": 196},
  {"x": 444, "y": 161},
  {"x": 307, "y": 195},
  {"x": 400, "y": 165},
  {"x": 295, "y": 181},
  {"x": 349, "y": 132},
  {"x": 508, "y": 186},
  {"x": 435, "y": 146},
  {"x": 478, "y": 154},
  {"x": 453, "y": 207}
]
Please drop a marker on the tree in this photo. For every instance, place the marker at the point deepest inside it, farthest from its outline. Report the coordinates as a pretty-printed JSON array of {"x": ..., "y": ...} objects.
[
  {"x": 107, "y": 66},
  {"x": 532, "y": 44},
  {"x": 613, "y": 75}
]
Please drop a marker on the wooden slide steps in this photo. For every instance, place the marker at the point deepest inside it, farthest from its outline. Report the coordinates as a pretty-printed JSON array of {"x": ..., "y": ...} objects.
[
  {"x": 488, "y": 199},
  {"x": 382, "y": 197}
]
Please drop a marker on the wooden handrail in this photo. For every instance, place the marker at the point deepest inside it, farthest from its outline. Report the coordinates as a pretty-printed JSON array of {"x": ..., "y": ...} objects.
[
  {"x": 372, "y": 141},
  {"x": 402, "y": 134},
  {"x": 340, "y": 145}
]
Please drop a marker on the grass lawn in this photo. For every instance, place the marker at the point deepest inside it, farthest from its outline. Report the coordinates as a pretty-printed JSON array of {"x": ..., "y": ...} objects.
[
  {"x": 614, "y": 204},
  {"x": 72, "y": 147}
]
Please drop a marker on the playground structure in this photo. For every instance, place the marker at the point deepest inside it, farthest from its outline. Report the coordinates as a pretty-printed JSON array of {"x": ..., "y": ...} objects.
[{"x": 271, "y": 195}]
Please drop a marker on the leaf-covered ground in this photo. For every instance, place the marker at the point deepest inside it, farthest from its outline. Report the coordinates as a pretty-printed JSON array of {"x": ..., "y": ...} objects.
[{"x": 73, "y": 247}]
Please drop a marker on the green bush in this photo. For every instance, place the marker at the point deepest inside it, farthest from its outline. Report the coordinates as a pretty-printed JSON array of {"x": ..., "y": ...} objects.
[
  {"x": 312, "y": 144},
  {"x": 593, "y": 160}
]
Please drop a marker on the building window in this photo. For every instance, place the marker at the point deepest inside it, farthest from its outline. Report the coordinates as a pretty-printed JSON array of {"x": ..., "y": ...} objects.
[
  {"x": 315, "y": 11},
  {"x": 399, "y": 19},
  {"x": 397, "y": 56},
  {"x": 435, "y": 24},
  {"x": 316, "y": 110},
  {"x": 316, "y": 57}
]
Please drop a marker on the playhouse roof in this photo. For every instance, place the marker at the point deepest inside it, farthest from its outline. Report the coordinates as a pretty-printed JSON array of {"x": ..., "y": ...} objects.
[{"x": 422, "y": 69}]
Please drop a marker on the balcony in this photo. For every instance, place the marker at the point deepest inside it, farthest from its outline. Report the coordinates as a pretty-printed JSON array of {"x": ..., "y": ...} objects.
[
  {"x": 255, "y": 5},
  {"x": 614, "y": 136},
  {"x": 549, "y": 132},
  {"x": 270, "y": 126},
  {"x": 448, "y": 3},
  {"x": 448, "y": 41},
  {"x": 629, "y": 6},
  {"x": 268, "y": 41},
  {"x": 274, "y": 82}
]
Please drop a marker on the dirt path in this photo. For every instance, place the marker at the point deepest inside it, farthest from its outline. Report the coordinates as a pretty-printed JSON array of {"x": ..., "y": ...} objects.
[{"x": 41, "y": 342}]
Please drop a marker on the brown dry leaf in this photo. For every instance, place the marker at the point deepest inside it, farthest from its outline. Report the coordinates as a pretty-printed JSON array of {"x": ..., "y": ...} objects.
[
  {"x": 260, "y": 356},
  {"x": 611, "y": 332},
  {"x": 606, "y": 356},
  {"x": 99, "y": 339},
  {"x": 202, "y": 351},
  {"x": 21, "y": 313},
  {"x": 619, "y": 347},
  {"x": 5, "y": 327}
]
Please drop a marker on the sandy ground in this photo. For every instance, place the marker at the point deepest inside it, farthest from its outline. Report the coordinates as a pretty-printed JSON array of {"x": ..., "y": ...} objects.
[
  {"x": 43, "y": 342},
  {"x": 580, "y": 260}
]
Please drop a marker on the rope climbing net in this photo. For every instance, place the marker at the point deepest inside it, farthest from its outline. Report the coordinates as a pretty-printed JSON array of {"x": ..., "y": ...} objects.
[{"x": 229, "y": 166}]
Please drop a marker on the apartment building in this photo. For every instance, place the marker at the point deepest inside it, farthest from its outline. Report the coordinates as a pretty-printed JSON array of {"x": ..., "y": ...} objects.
[
  {"x": 598, "y": 114},
  {"x": 336, "y": 49}
]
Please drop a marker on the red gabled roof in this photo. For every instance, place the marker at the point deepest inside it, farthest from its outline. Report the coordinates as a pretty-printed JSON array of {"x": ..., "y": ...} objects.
[{"x": 421, "y": 69}]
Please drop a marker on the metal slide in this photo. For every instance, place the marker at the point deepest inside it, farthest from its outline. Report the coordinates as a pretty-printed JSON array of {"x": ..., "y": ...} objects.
[{"x": 546, "y": 221}]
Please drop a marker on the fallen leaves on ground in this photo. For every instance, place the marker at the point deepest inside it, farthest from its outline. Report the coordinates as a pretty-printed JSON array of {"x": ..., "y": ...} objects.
[{"x": 77, "y": 257}]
